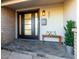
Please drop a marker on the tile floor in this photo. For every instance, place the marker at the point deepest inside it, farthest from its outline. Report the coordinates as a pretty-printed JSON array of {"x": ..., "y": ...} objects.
[{"x": 38, "y": 48}]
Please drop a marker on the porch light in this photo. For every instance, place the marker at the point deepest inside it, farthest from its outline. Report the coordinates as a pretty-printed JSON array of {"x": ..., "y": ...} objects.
[{"x": 43, "y": 13}]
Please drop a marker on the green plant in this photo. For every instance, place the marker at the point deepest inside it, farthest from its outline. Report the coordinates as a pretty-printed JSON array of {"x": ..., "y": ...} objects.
[{"x": 69, "y": 35}]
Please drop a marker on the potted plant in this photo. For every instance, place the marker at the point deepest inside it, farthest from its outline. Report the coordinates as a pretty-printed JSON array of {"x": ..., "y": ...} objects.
[{"x": 69, "y": 37}]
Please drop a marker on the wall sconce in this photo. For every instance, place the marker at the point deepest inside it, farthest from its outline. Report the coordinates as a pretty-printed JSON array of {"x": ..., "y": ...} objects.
[{"x": 43, "y": 13}]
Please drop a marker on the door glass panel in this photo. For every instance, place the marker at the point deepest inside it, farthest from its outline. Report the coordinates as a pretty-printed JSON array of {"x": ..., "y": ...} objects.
[
  {"x": 27, "y": 27},
  {"x": 27, "y": 24},
  {"x": 27, "y": 16},
  {"x": 27, "y": 32},
  {"x": 36, "y": 24},
  {"x": 20, "y": 24}
]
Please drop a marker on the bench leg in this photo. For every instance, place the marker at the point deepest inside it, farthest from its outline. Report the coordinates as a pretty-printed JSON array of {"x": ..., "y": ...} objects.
[{"x": 59, "y": 41}]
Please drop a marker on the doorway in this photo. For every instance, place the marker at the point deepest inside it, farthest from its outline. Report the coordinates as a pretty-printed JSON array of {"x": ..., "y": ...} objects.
[{"x": 28, "y": 24}]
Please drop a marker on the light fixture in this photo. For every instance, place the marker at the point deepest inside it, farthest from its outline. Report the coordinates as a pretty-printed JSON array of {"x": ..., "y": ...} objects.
[{"x": 43, "y": 13}]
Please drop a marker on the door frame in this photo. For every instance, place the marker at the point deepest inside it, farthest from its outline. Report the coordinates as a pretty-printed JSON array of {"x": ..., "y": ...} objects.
[{"x": 28, "y": 11}]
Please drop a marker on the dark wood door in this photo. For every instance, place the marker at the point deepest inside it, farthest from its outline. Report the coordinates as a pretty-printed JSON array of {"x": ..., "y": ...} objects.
[{"x": 28, "y": 25}]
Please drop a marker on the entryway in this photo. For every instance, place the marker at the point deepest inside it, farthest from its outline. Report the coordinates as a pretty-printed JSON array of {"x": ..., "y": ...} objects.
[{"x": 28, "y": 24}]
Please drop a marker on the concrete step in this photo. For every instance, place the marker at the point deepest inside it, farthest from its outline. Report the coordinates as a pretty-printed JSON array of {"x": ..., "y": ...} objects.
[{"x": 14, "y": 55}]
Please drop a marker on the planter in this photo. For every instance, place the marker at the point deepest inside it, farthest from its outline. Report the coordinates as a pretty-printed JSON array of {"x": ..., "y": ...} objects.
[{"x": 70, "y": 51}]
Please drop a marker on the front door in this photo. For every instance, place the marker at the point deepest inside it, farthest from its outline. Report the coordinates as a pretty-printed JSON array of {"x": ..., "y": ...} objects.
[{"x": 28, "y": 25}]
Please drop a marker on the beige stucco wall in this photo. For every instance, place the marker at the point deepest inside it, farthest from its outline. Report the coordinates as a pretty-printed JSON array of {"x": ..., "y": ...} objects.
[{"x": 7, "y": 25}]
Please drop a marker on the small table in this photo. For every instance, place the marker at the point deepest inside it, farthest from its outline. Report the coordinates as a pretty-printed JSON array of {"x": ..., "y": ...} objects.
[{"x": 54, "y": 36}]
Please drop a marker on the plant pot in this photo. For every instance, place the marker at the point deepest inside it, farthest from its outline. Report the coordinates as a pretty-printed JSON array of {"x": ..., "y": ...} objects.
[{"x": 70, "y": 51}]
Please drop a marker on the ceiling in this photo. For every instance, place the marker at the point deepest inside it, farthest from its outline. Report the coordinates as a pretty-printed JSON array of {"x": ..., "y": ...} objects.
[
  {"x": 3, "y": 0},
  {"x": 29, "y": 3}
]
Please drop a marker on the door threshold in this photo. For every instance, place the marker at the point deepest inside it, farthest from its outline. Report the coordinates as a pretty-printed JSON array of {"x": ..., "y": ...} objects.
[{"x": 29, "y": 39}]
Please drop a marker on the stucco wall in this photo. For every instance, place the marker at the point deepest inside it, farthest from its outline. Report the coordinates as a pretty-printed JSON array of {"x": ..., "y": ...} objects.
[{"x": 7, "y": 25}]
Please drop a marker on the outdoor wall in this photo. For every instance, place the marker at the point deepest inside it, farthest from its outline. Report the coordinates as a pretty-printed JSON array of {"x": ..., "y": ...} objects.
[
  {"x": 54, "y": 16},
  {"x": 7, "y": 25},
  {"x": 69, "y": 10}
]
